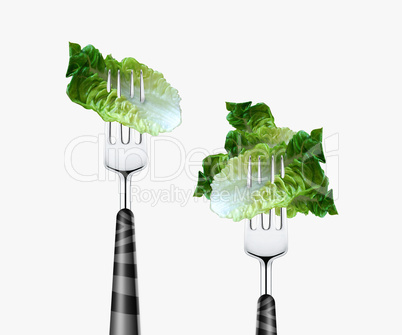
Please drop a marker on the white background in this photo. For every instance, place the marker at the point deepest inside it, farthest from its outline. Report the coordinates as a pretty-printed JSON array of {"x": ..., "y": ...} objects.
[{"x": 331, "y": 64}]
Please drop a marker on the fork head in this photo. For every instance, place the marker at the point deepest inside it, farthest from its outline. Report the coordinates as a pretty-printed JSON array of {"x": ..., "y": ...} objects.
[
  {"x": 125, "y": 155},
  {"x": 264, "y": 238},
  {"x": 126, "y": 152}
]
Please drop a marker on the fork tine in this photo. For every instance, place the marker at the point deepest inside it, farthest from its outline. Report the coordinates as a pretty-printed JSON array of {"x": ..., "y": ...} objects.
[
  {"x": 272, "y": 211},
  {"x": 283, "y": 209},
  {"x": 119, "y": 133},
  {"x": 282, "y": 168},
  {"x": 132, "y": 84},
  {"x": 259, "y": 219},
  {"x": 139, "y": 141},
  {"x": 118, "y": 84},
  {"x": 108, "y": 132},
  {"x": 142, "y": 92},
  {"x": 129, "y": 135},
  {"x": 133, "y": 135},
  {"x": 126, "y": 134},
  {"x": 109, "y": 81},
  {"x": 250, "y": 223},
  {"x": 249, "y": 177}
]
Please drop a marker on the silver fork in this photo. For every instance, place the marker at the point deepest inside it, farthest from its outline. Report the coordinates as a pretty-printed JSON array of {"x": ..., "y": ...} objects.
[
  {"x": 125, "y": 157},
  {"x": 266, "y": 244}
]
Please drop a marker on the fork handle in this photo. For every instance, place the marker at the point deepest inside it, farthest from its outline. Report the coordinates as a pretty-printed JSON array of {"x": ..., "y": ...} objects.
[
  {"x": 266, "y": 315},
  {"x": 124, "y": 318}
]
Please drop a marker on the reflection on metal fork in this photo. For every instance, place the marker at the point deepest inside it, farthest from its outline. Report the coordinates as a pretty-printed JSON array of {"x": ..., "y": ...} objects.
[
  {"x": 266, "y": 242},
  {"x": 125, "y": 156}
]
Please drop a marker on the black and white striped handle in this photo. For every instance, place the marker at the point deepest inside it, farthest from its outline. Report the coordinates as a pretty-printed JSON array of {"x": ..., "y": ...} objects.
[
  {"x": 266, "y": 315},
  {"x": 125, "y": 309}
]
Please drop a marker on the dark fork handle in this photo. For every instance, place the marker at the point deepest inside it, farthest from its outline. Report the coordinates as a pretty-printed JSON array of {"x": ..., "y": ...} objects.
[
  {"x": 125, "y": 309},
  {"x": 266, "y": 315}
]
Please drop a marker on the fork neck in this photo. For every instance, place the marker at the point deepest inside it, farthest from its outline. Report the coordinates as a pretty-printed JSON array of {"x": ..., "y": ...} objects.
[
  {"x": 266, "y": 275},
  {"x": 125, "y": 190}
]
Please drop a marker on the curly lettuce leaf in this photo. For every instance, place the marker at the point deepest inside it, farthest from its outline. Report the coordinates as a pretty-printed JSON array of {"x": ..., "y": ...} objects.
[
  {"x": 244, "y": 116},
  {"x": 212, "y": 165},
  {"x": 88, "y": 87},
  {"x": 304, "y": 188},
  {"x": 258, "y": 126},
  {"x": 237, "y": 141}
]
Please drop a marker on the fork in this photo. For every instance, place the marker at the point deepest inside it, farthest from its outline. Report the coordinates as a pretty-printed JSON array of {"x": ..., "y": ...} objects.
[
  {"x": 266, "y": 243},
  {"x": 125, "y": 157}
]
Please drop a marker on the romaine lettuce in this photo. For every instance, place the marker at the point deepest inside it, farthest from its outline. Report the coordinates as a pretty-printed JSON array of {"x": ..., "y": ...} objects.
[
  {"x": 304, "y": 188},
  {"x": 88, "y": 87}
]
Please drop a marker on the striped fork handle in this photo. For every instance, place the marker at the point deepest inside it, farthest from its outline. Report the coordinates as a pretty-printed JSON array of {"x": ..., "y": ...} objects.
[
  {"x": 266, "y": 315},
  {"x": 125, "y": 309}
]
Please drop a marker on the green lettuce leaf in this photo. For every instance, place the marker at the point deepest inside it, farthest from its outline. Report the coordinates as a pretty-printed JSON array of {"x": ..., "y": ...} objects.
[
  {"x": 244, "y": 116},
  {"x": 237, "y": 141},
  {"x": 255, "y": 124},
  {"x": 88, "y": 87},
  {"x": 304, "y": 189},
  {"x": 212, "y": 165}
]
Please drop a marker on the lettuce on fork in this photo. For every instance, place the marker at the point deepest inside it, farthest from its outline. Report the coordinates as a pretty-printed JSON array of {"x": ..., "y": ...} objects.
[
  {"x": 88, "y": 87},
  {"x": 304, "y": 189}
]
